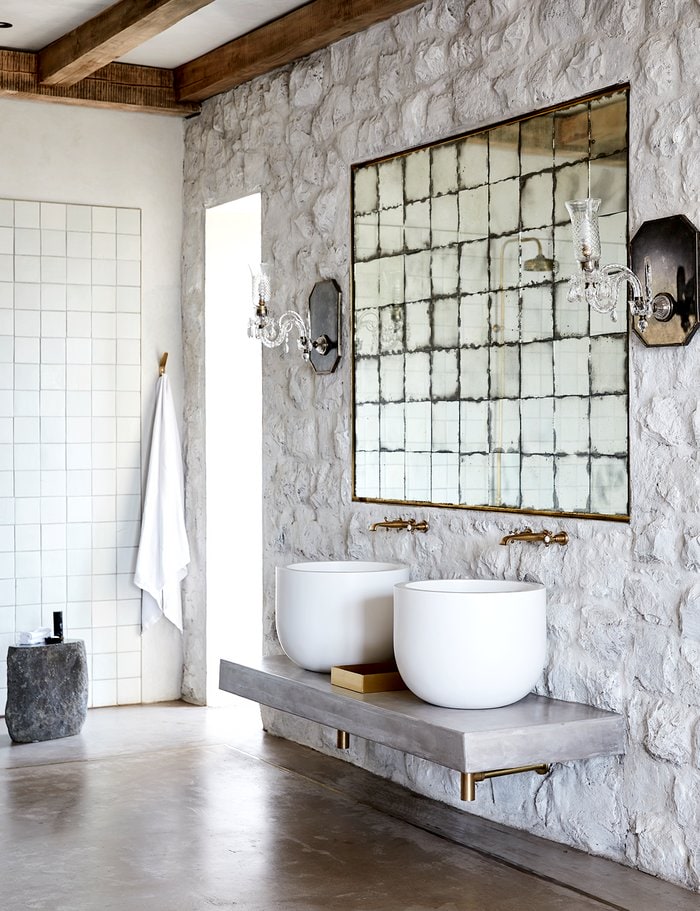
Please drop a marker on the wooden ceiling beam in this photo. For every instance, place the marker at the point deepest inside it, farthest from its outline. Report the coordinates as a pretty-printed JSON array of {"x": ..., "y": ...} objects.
[
  {"x": 107, "y": 36},
  {"x": 295, "y": 35},
  {"x": 124, "y": 86}
]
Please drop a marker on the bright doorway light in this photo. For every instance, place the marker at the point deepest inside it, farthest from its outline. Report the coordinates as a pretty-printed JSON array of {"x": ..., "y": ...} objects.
[{"x": 233, "y": 401}]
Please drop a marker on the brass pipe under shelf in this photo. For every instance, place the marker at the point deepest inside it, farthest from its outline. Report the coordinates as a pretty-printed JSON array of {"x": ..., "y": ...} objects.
[
  {"x": 343, "y": 740},
  {"x": 469, "y": 780}
]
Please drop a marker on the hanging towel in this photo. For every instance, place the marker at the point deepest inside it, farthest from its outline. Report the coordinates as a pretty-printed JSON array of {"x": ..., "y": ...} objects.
[{"x": 164, "y": 552}]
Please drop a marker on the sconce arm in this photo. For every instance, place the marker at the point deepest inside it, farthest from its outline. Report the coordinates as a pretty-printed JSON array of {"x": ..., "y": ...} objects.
[
  {"x": 273, "y": 333},
  {"x": 599, "y": 288},
  {"x": 619, "y": 273}
]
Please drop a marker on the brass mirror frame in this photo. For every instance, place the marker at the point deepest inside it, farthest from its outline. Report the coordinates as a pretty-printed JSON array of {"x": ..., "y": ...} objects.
[{"x": 555, "y": 226}]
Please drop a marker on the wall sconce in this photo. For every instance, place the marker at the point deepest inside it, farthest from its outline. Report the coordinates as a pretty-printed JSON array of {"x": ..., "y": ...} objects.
[
  {"x": 318, "y": 335},
  {"x": 664, "y": 252}
]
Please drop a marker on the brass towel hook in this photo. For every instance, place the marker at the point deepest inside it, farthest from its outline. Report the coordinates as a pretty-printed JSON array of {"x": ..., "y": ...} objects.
[{"x": 161, "y": 365}]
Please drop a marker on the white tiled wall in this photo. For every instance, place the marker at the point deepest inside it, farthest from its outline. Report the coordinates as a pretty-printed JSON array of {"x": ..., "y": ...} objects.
[{"x": 70, "y": 439}]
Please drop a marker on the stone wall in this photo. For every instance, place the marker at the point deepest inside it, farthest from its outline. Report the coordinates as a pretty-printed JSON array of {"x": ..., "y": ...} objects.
[{"x": 624, "y": 601}]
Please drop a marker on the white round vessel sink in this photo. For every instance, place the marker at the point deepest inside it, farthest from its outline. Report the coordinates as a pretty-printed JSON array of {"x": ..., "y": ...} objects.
[
  {"x": 337, "y": 612},
  {"x": 469, "y": 643}
]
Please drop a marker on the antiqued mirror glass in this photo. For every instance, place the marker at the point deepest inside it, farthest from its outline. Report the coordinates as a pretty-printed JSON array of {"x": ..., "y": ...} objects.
[{"x": 476, "y": 383}]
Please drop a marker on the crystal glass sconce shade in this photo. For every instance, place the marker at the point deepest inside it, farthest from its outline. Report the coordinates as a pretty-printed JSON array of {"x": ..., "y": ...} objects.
[{"x": 584, "y": 229}]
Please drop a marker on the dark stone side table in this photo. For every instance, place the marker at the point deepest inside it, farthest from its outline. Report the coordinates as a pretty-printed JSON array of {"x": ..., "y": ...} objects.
[{"x": 47, "y": 691}]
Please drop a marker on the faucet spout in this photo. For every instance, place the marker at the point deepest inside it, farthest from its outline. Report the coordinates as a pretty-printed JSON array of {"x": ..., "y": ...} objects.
[{"x": 542, "y": 537}]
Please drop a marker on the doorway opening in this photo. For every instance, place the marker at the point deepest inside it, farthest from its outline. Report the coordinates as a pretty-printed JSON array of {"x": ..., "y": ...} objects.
[{"x": 233, "y": 402}]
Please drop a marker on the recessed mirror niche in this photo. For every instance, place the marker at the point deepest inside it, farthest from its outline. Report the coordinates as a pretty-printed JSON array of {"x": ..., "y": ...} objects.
[{"x": 477, "y": 384}]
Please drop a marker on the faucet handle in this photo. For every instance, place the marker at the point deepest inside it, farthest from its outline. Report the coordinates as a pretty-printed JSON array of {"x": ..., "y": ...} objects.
[
  {"x": 413, "y": 525},
  {"x": 560, "y": 538}
]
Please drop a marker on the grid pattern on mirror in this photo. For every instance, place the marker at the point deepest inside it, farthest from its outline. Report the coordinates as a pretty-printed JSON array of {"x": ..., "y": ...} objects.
[
  {"x": 70, "y": 433},
  {"x": 476, "y": 382}
]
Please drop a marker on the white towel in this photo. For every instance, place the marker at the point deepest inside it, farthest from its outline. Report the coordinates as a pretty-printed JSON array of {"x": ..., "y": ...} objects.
[
  {"x": 34, "y": 637},
  {"x": 163, "y": 548}
]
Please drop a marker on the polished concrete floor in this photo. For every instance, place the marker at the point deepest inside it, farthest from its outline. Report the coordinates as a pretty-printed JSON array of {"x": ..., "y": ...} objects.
[{"x": 178, "y": 808}]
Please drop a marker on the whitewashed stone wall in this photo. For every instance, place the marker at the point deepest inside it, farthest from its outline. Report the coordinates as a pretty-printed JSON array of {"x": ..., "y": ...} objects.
[{"x": 624, "y": 601}]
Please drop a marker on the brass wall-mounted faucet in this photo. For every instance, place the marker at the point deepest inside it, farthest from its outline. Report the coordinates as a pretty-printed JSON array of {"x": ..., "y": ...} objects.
[
  {"x": 543, "y": 537},
  {"x": 409, "y": 524}
]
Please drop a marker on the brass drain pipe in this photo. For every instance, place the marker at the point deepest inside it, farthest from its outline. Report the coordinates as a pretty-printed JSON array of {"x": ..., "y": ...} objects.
[{"x": 469, "y": 780}]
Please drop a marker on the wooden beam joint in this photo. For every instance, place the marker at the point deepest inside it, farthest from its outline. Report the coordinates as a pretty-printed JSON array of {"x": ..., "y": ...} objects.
[{"x": 123, "y": 86}]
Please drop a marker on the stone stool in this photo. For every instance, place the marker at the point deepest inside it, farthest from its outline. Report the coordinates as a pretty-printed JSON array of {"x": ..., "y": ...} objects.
[{"x": 47, "y": 691}]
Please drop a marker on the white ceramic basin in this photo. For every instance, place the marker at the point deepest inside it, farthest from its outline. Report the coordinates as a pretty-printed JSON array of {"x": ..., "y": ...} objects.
[
  {"x": 337, "y": 612},
  {"x": 470, "y": 644}
]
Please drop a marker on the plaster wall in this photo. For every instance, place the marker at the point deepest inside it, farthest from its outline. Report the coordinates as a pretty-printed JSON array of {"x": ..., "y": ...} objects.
[
  {"x": 624, "y": 600},
  {"x": 60, "y": 153}
]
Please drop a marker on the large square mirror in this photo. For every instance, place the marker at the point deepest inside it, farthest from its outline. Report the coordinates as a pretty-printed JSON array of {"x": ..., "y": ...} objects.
[{"x": 476, "y": 383}]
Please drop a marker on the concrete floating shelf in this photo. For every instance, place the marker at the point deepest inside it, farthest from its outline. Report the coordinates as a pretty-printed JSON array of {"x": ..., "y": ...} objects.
[{"x": 478, "y": 743}]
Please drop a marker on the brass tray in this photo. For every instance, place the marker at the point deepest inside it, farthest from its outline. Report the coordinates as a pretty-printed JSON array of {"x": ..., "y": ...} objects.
[{"x": 368, "y": 678}]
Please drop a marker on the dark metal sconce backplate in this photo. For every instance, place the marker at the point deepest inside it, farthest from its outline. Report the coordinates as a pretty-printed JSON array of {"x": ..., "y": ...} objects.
[
  {"x": 672, "y": 247},
  {"x": 324, "y": 320}
]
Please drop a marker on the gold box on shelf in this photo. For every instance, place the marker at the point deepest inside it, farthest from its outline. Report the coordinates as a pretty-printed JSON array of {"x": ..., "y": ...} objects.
[{"x": 368, "y": 678}]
